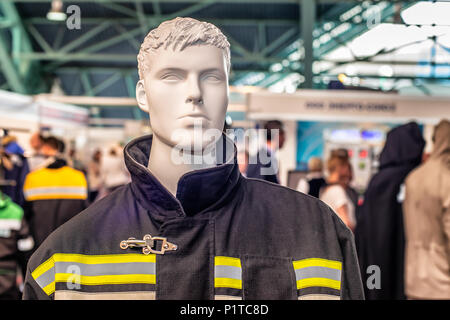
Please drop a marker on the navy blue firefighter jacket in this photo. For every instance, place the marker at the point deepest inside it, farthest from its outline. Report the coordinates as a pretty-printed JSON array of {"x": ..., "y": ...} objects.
[{"x": 236, "y": 238}]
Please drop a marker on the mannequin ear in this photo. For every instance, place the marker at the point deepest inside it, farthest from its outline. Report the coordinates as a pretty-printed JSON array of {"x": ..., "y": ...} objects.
[{"x": 141, "y": 96}]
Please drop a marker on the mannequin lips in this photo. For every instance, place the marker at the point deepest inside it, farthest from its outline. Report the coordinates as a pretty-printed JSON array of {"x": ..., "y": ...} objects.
[
  {"x": 195, "y": 120},
  {"x": 195, "y": 116}
]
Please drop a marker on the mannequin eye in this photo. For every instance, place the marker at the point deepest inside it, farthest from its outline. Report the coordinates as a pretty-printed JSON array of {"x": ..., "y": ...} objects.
[
  {"x": 212, "y": 77},
  {"x": 171, "y": 77}
]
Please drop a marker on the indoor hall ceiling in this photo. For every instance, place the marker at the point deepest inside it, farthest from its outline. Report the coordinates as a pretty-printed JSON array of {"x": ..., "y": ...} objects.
[{"x": 99, "y": 59}]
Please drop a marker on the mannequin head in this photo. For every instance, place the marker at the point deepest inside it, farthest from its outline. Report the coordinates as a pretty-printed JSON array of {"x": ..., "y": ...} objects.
[{"x": 183, "y": 68}]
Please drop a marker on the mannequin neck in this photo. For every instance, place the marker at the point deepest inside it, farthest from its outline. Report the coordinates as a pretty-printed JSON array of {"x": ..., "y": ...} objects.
[{"x": 168, "y": 168}]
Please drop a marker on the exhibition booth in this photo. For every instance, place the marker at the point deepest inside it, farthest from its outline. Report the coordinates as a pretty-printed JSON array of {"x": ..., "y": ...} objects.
[{"x": 315, "y": 122}]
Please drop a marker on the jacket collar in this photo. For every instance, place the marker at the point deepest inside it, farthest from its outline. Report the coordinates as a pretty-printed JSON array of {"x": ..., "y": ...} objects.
[
  {"x": 53, "y": 163},
  {"x": 197, "y": 190}
]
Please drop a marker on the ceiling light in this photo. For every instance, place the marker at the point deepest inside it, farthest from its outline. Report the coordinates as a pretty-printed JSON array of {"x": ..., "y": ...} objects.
[
  {"x": 276, "y": 67},
  {"x": 56, "y": 13}
]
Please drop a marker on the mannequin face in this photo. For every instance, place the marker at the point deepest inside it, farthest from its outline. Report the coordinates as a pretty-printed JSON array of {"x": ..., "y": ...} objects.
[{"x": 185, "y": 92}]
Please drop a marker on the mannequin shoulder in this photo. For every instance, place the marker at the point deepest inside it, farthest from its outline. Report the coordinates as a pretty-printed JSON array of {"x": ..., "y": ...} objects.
[
  {"x": 99, "y": 218},
  {"x": 284, "y": 199},
  {"x": 284, "y": 213}
]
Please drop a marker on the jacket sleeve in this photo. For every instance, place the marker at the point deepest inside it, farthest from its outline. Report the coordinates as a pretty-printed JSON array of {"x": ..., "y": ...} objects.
[
  {"x": 39, "y": 279},
  {"x": 351, "y": 283},
  {"x": 31, "y": 290}
]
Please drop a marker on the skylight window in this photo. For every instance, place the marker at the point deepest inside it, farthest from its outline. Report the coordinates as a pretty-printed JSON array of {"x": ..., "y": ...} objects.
[
  {"x": 391, "y": 37},
  {"x": 427, "y": 13}
]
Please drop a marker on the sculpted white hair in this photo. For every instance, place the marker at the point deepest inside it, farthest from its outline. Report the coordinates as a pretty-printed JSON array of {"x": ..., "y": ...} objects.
[{"x": 180, "y": 33}]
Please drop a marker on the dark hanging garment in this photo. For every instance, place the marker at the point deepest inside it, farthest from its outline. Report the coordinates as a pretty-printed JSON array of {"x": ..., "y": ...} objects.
[{"x": 379, "y": 233}]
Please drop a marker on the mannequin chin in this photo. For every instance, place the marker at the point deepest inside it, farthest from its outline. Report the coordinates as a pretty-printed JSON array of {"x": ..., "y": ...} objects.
[{"x": 186, "y": 95}]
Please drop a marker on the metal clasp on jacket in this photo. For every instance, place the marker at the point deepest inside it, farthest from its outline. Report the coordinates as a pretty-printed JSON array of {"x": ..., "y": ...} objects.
[{"x": 148, "y": 244}]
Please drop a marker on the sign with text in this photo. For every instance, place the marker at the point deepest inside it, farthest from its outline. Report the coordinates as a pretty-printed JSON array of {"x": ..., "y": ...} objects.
[{"x": 338, "y": 105}]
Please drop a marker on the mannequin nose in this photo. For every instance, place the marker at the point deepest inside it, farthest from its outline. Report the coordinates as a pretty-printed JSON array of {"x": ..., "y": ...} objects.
[{"x": 194, "y": 95}]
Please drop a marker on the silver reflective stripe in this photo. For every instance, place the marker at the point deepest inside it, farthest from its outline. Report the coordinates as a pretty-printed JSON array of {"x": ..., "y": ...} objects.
[
  {"x": 106, "y": 268},
  {"x": 318, "y": 272},
  {"x": 55, "y": 190},
  {"x": 226, "y": 297},
  {"x": 228, "y": 272},
  {"x": 46, "y": 278},
  {"x": 132, "y": 295},
  {"x": 319, "y": 296}
]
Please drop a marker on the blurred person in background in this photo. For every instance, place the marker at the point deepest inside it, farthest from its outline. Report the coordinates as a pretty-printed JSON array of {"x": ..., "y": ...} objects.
[
  {"x": 314, "y": 179},
  {"x": 379, "y": 232},
  {"x": 426, "y": 211},
  {"x": 61, "y": 146},
  {"x": 11, "y": 145},
  {"x": 347, "y": 175},
  {"x": 94, "y": 175},
  {"x": 54, "y": 192},
  {"x": 334, "y": 193},
  {"x": 15, "y": 239},
  {"x": 15, "y": 168},
  {"x": 351, "y": 192},
  {"x": 74, "y": 162},
  {"x": 242, "y": 158},
  {"x": 114, "y": 173},
  {"x": 36, "y": 141},
  {"x": 264, "y": 165}
]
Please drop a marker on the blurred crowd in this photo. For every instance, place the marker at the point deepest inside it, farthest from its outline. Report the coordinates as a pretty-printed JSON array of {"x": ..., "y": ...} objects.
[
  {"x": 40, "y": 192},
  {"x": 401, "y": 223}
]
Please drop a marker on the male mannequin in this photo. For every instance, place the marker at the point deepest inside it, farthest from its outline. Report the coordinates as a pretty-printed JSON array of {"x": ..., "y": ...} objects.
[
  {"x": 194, "y": 83},
  {"x": 207, "y": 232}
]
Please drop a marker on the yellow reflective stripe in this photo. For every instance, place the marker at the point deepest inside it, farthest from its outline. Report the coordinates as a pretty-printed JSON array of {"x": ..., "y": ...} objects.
[
  {"x": 317, "y": 262},
  {"x": 318, "y": 282},
  {"x": 43, "y": 268},
  {"x": 88, "y": 259},
  {"x": 227, "y": 283},
  {"x": 100, "y": 259},
  {"x": 50, "y": 288},
  {"x": 106, "y": 279},
  {"x": 95, "y": 259},
  {"x": 227, "y": 261}
]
